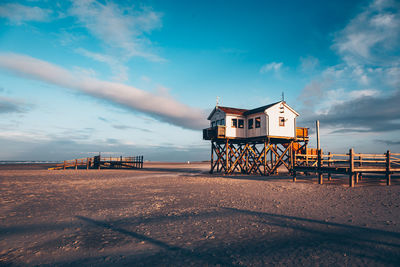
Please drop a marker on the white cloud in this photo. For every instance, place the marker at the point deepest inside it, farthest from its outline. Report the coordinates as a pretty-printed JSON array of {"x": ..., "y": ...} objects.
[
  {"x": 309, "y": 63},
  {"x": 165, "y": 108},
  {"x": 273, "y": 66},
  {"x": 369, "y": 47},
  {"x": 363, "y": 93},
  {"x": 372, "y": 37},
  {"x": 120, "y": 28},
  {"x": 119, "y": 70},
  {"x": 18, "y": 14}
]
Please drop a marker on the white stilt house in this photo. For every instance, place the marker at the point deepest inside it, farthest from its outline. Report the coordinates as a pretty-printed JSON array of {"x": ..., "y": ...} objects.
[
  {"x": 259, "y": 140},
  {"x": 276, "y": 120}
]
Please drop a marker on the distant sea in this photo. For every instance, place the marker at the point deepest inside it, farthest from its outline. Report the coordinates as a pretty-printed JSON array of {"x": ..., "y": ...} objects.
[{"x": 26, "y": 161}]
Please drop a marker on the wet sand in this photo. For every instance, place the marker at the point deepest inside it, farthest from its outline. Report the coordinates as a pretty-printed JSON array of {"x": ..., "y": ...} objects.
[{"x": 179, "y": 215}]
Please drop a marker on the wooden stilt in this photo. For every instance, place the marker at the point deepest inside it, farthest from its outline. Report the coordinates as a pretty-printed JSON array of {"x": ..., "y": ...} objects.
[{"x": 212, "y": 157}]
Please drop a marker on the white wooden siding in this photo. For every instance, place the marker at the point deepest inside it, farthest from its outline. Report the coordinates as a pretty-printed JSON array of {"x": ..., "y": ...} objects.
[
  {"x": 274, "y": 113},
  {"x": 235, "y": 132},
  {"x": 269, "y": 124}
]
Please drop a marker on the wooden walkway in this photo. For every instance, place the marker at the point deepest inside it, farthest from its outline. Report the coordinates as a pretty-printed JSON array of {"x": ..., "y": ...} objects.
[
  {"x": 98, "y": 162},
  {"x": 352, "y": 164}
]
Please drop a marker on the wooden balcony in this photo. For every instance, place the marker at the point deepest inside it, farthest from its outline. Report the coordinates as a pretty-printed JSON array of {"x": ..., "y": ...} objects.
[{"x": 214, "y": 132}]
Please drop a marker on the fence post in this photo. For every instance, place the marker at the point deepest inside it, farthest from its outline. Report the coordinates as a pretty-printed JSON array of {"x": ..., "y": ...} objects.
[
  {"x": 388, "y": 175},
  {"x": 329, "y": 164},
  {"x": 360, "y": 174},
  {"x": 319, "y": 166},
  {"x": 351, "y": 167},
  {"x": 142, "y": 163},
  {"x": 294, "y": 165},
  {"x": 87, "y": 163},
  {"x": 76, "y": 164}
]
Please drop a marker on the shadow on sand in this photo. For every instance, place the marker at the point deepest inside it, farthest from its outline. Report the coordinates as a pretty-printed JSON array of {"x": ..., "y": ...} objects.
[{"x": 296, "y": 239}]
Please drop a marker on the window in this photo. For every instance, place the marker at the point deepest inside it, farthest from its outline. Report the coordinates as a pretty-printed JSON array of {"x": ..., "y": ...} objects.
[
  {"x": 222, "y": 122},
  {"x": 213, "y": 124},
  {"x": 241, "y": 123},
  {"x": 250, "y": 123},
  {"x": 258, "y": 122},
  {"x": 234, "y": 123},
  {"x": 281, "y": 121}
]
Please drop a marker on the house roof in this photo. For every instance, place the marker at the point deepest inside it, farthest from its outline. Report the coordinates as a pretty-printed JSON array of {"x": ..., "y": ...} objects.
[
  {"x": 245, "y": 112},
  {"x": 260, "y": 109},
  {"x": 227, "y": 110}
]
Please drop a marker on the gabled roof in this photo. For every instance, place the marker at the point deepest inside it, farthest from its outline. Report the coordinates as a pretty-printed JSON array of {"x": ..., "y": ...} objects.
[
  {"x": 260, "y": 109},
  {"x": 245, "y": 112},
  {"x": 227, "y": 110}
]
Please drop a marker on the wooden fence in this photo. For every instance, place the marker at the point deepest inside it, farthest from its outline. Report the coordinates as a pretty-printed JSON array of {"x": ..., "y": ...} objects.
[
  {"x": 352, "y": 164},
  {"x": 99, "y": 162}
]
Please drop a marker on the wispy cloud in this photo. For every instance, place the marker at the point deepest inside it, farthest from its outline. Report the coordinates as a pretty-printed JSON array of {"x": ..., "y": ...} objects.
[
  {"x": 273, "y": 66},
  {"x": 309, "y": 63},
  {"x": 119, "y": 27},
  {"x": 119, "y": 70},
  {"x": 18, "y": 14},
  {"x": 10, "y": 105},
  {"x": 164, "y": 108}
]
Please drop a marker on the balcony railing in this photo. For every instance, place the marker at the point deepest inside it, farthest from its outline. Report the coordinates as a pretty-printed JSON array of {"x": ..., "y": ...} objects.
[
  {"x": 214, "y": 132},
  {"x": 301, "y": 132}
]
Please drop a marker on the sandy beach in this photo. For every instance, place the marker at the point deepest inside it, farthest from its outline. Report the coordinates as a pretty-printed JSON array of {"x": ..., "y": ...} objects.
[{"x": 178, "y": 215}]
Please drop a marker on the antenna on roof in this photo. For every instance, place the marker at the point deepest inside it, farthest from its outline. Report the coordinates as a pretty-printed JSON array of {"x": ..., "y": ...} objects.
[
  {"x": 217, "y": 101},
  {"x": 283, "y": 97}
]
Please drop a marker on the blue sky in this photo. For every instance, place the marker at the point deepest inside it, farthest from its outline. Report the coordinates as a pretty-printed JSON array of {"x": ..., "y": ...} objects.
[{"x": 140, "y": 77}]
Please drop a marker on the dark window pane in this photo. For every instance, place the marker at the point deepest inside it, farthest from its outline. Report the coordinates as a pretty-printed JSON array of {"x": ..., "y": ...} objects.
[
  {"x": 234, "y": 123},
  {"x": 250, "y": 123},
  {"x": 241, "y": 123},
  {"x": 281, "y": 121},
  {"x": 258, "y": 122}
]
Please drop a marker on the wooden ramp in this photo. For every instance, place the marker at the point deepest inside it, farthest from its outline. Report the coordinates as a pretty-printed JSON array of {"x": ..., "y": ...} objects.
[{"x": 99, "y": 162}]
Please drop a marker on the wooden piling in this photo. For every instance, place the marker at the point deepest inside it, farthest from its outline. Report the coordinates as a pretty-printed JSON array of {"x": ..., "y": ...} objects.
[
  {"x": 351, "y": 167},
  {"x": 319, "y": 166},
  {"x": 388, "y": 174},
  {"x": 329, "y": 164}
]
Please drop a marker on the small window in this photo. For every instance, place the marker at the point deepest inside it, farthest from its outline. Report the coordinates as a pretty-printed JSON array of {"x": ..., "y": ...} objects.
[
  {"x": 213, "y": 124},
  {"x": 234, "y": 123},
  {"x": 250, "y": 123},
  {"x": 281, "y": 121},
  {"x": 258, "y": 122},
  {"x": 241, "y": 123},
  {"x": 222, "y": 122}
]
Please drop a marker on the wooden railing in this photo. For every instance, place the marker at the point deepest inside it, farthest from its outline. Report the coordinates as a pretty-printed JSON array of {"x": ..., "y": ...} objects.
[
  {"x": 301, "y": 132},
  {"x": 214, "y": 132},
  {"x": 353, "y": 164}
]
